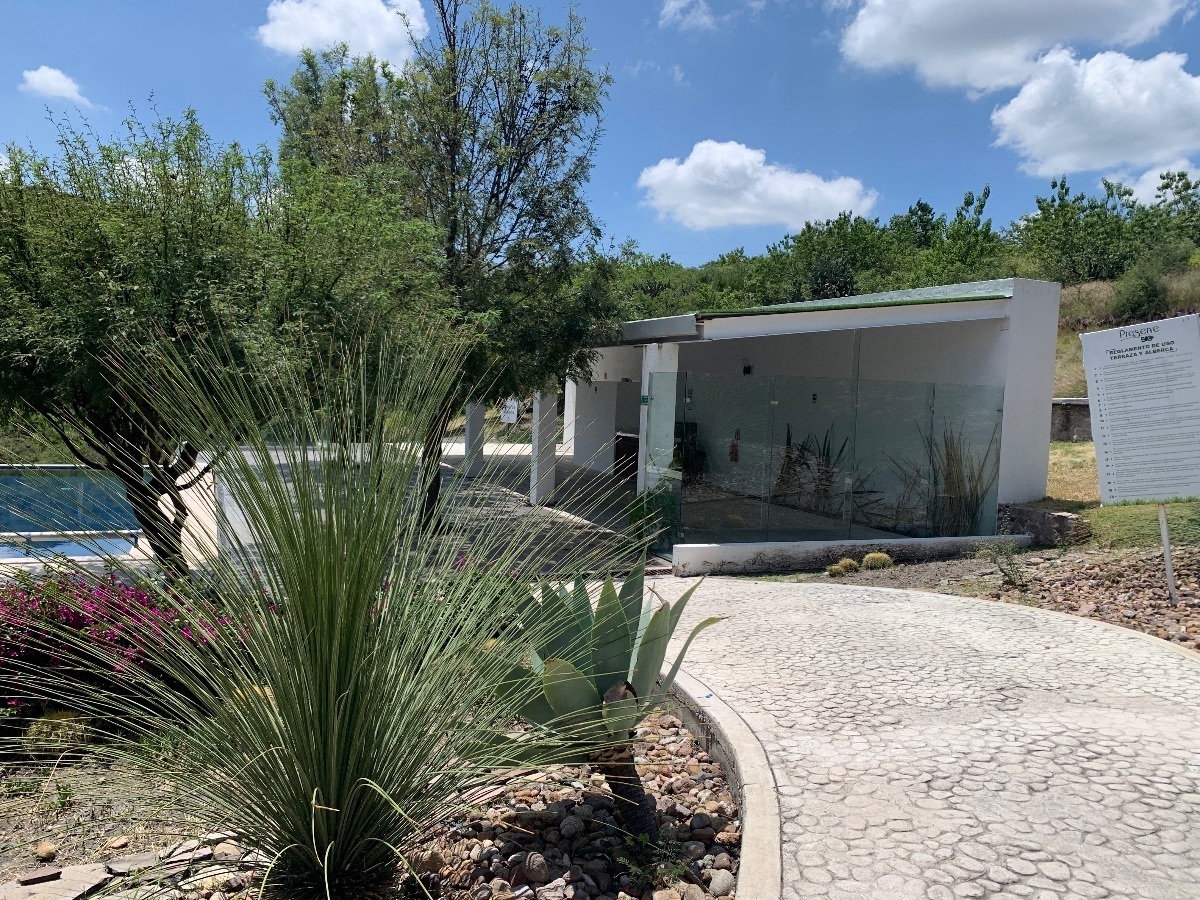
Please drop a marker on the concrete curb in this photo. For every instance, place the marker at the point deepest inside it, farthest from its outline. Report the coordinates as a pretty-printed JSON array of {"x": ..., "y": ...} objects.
[{"x": 730, "y": 741}]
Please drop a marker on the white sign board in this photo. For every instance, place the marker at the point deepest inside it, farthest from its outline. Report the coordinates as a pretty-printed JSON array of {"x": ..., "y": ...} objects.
[
  {"x": 508, "y": 415},
  {"x": 1144, "y": 394}
]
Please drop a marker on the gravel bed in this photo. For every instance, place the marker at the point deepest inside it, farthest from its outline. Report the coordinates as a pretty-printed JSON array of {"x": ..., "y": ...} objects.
[
  {"x": 551, "y": 836},
  {"x": 1125, "y": 587}
]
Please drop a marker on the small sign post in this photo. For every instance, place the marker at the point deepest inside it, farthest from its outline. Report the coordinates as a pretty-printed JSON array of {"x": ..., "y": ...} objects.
[
  {"x": 1144, "y": 394},
  {"x": 508, "y": 415}
]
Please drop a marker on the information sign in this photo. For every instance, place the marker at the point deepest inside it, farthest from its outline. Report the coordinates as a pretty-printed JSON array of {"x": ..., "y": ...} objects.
[
  {"x": 508, "y": 415},
  {"x": 1144, "y": 394}
]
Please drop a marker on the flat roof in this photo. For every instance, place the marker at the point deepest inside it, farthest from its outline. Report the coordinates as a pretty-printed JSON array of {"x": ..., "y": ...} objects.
[{"x": 687, "y": 325}]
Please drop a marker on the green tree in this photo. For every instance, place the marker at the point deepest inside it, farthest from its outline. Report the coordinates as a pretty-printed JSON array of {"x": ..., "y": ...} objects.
[
  {"x": 488, "y": 134},
  {"x": 1078, "y": 237},
  {"x": 102, "y": 249},
  {"x": 112, "y": 245}
]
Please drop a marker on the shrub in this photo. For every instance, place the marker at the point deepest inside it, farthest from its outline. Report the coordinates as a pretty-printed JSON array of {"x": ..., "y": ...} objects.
[
  {"x": 364, "y": 696},
  {"x": 877, "y": 561},
  {"x": 835, "y": 571},
  {"x": 848, "y": 565},
  {"x": 53, "y": 621}
]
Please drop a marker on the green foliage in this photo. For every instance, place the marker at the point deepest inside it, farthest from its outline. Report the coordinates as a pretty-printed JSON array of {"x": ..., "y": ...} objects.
[
  {"x": 654, "y": 514},
  {"x": 877, "y": 560},
  {"x": 653, "y": 864},
  {"x": 595, "y": 680},
  {"x": 364, "y": 691},
  {"x": 1004, "y": 556},
  {"x": 1141, "y": 293}
]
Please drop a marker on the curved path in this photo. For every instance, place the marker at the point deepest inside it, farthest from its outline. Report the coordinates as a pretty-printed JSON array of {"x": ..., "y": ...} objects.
[{"x": 934, "y": 747}]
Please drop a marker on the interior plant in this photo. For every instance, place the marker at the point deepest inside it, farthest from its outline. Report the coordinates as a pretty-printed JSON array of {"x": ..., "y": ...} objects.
[
  {"x": 363, "y": 692},
  {"x": 590, "y": 684}
]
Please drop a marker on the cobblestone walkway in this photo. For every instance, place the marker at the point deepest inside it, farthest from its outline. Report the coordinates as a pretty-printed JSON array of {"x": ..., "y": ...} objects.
[{"x": 934, "y": 748}]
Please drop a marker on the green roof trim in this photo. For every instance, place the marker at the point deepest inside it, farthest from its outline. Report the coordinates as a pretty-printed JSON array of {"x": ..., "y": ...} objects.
[{"x": 863, "y": 302}]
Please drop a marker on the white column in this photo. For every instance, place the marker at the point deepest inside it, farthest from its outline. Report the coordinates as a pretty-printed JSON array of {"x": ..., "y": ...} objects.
[
  {"x": 473, "y": 454},
  {"x": 656, "y": 358},
  {"x": 569, "y": 414},
  {"x": 545, "y": 433}
]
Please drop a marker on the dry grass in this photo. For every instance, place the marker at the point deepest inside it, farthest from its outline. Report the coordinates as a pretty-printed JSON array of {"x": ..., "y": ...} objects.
[
  {"x": 1084, "y": 306},
  {"x": 1069, "y": 377},
  {"x": 1073, "y": 481}
]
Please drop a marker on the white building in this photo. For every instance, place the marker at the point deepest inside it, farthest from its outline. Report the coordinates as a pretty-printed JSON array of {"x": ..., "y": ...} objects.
[{"x": 902, "y": 414}]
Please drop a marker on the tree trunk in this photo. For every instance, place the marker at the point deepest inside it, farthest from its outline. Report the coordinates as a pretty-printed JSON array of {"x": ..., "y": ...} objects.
[
  {"x": 163, "y": 532},
  {"x": 635, "y": 808},
  {"x": 431, "y": 456}
]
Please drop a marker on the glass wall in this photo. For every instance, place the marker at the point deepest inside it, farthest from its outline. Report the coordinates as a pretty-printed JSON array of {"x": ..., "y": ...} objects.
[{"x": 739, "y": 458}]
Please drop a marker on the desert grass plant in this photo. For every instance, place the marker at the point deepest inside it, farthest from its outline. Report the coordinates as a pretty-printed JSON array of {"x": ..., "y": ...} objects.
[
  {"x": 950, "y": 486},
  {"x": 357, "y": 690}
]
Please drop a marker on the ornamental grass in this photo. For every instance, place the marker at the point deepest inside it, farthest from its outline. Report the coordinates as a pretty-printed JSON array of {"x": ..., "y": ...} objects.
[{"x": 352, "y": 693}]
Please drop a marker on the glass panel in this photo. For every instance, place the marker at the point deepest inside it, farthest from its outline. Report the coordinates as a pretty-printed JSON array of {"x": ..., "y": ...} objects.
[
  {"x": 891, "y": 473},
  {"x": 966, "y": 457},
  {"x": 62, "y": 498},
  {"x": 723, "y": 440},
  {"x": 814, "y": 455}
]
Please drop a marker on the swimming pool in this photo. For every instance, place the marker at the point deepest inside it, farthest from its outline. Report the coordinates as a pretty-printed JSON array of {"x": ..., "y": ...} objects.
[{"x": 64, "y": 510}]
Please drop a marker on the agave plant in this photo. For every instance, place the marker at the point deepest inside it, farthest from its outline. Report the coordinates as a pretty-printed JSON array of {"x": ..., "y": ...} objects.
[
  {"x": 355, "y": 696},
  {"x": 591, "y": 683}
]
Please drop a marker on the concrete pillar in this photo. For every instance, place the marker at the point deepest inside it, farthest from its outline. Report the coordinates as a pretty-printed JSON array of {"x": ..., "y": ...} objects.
[
  {"x": 474, "y": 457},
  {"x": 545, "y": 434},
  {"x": 569, "y": 395},
  {"x": 661, "y": 360}
]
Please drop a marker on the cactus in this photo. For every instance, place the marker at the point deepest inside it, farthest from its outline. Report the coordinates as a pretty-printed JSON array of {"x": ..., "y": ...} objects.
[
  {"x": 835, "y": 571},
  {"x": 849, "y": 566},
  {"x": 877, "y": 561},
  {"x": 596, "y": 674}
]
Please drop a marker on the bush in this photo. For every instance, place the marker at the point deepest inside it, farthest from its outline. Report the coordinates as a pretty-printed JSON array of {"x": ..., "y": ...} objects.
[
  {"x": 1142, "y": 292},
  {"x": 335, "y": 734},
  {"x": 54, "y": 622},
  {"x": 877, "y": 561}
]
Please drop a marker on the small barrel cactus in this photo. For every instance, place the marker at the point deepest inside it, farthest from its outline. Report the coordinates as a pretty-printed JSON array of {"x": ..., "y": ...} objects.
[
  {"x": 877, "y": 561},
  {"x": 849, "y": 566},
  {"x": 835, "y": 571}
]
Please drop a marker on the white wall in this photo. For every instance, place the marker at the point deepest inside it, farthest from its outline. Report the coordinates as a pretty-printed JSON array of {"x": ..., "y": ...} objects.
[
  {"x": 1029, "y": 390},
  {"x": 595, "y": 424},
  {"x": 607, "y": 404}
]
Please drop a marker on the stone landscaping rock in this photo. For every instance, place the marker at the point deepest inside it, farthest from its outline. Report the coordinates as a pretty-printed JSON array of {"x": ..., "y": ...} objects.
[
  {"x": 132, "y": 865},
  {"x": 721, "y": 883},
  {"x": 46, "y": 851},
  {"x": 39, "y": 876}
]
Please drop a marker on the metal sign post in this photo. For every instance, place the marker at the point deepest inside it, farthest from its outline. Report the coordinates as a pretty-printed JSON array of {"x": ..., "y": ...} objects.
[{"x": 1166, "y": 541}]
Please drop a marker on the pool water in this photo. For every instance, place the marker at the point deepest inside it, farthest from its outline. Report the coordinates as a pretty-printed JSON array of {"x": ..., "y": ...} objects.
[
  {"x": 61, "y": 500},
  {"x": 39, "y": 549}
]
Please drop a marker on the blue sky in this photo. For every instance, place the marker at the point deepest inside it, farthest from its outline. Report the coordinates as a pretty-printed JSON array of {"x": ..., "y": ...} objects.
[{"x": 730, "y": 122}]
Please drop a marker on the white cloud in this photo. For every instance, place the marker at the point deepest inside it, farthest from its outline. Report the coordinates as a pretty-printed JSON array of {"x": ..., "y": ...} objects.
[
  {"x": 380, "y": 27},
  {"x": 990, "y": 44},
  {"x": 695, "y": 15},
  {"x": 731, "y": 184},
  {"x": 1107, "y": 112},
  {"x": 47, "y": 81}
]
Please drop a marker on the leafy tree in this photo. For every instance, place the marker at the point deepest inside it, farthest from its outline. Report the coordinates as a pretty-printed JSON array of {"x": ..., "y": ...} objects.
[
  {"x": 111, "y": 246},
  {"x": 488, "y": 134},
  {"x": 1078, "y": 237},
  {"x": 102, "y": 249},
  {"x": 965, "y": 248}
]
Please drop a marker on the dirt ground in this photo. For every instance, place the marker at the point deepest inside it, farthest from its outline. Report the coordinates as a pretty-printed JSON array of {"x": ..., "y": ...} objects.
[{"x": 1125, "y": 587}]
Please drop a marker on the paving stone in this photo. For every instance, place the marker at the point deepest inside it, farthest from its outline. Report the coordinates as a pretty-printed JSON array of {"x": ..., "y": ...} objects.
[{"x": 969, "y": 748}]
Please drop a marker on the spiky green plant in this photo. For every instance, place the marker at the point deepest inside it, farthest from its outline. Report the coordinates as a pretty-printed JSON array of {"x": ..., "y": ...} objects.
[
  {"x": 591, "y": 683},
  {"x": 351, "y": 684}
]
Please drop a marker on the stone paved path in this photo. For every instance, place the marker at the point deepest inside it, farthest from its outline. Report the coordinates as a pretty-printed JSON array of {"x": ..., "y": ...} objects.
[{"x": 934, "y": 748}]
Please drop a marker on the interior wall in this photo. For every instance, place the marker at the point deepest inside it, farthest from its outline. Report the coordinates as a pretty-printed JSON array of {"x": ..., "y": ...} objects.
[
  {"x": 595, "y": 424},
  {"x": 973, "y": 352}
]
